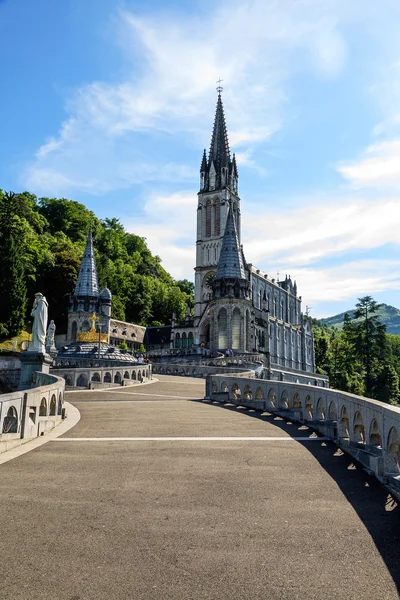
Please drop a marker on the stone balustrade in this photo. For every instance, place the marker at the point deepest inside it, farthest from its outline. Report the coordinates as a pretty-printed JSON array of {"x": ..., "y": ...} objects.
[
  {"x": 94, "y": 375},
  {"x": 367, "y": 429},
  {"x": 33, "y": 412},
  {"x": 199, "y": 370}
]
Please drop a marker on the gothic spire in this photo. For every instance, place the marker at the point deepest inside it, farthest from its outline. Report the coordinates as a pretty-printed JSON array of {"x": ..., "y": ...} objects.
[
  {"x": 230, "y": 264},
  {"x": 87, "y": 279},
  {"x": 219, "y": 148},
  {"x": 203, "y": 167}
]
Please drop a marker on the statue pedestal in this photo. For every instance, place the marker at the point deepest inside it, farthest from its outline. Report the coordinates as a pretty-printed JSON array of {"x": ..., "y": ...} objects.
[{"x": 31, "y": 362}]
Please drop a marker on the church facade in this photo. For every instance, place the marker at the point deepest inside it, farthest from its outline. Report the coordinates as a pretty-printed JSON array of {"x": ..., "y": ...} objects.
[{"x": 237, "y": 306}]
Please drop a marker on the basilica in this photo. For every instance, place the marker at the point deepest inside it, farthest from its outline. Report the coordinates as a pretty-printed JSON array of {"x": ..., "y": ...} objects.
[{"x": 237, "y": 307}]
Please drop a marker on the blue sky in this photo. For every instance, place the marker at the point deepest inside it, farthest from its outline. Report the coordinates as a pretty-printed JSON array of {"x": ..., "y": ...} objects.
[{"x": 111, "y": 104}]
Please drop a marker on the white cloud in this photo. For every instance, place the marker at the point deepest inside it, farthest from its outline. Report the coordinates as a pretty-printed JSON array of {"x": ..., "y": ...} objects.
[
  {"x": 252, "y": 44},
  {"x": 380, "y": 168}
]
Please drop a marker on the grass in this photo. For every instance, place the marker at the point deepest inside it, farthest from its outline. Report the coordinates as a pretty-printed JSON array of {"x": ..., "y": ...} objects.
[{"x": 14, "y": 344}]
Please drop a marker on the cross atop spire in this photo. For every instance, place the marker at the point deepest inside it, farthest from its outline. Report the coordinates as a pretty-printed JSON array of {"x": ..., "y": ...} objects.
[
  {"x": 219, "y": 88},
  {"x": 87, "y": 279}
]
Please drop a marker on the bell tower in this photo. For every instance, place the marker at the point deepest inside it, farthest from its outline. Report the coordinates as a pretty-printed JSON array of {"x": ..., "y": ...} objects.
[{"x": 218, "y": 191}]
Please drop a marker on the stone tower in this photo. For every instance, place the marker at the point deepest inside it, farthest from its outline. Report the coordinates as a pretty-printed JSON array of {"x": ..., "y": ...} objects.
[
  {"x": 231, "y": 307},
  {"x": 218, "y": 191},
  {"x": 87, "y": 300}
]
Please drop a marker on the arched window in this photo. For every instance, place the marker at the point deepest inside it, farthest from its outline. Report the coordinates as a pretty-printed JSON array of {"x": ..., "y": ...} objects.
[
  {"x": 222, "y": 328},
  {"x": 217, "y": 218},
  {"x": 10, "y": 423},
  {"x": 43, "y": 408},
  {"x": 184, "y": 340},
  {"x": 178, "y": 340},
  {"x": 274, "y": 312},
  {"x": 190, "y": 339},
  {"x": 208, "y": 218},
  {"x": 281, "y": 315},
  {"x": 85, "y": 326},
  {"x": 236, "y": 329},
  {"x": 53, "y": 405}
]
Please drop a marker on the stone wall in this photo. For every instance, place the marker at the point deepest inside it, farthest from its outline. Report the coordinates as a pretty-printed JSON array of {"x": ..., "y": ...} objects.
[
  {"x": 10, "y": 371},
  {"x": 94, "y": 377},
  {"x": 30, "y": 413},
  {"x": 367, "y": 429}
]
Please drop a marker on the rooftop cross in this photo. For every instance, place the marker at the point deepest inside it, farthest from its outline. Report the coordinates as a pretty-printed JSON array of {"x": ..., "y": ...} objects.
[{"x": 219, "y": 88}]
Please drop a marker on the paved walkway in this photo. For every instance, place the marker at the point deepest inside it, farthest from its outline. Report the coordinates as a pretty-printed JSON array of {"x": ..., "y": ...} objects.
[{"x": 230, "y": 506}]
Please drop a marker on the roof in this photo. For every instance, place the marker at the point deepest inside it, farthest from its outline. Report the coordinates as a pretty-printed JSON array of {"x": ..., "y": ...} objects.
[
  {"x": 87, "y": 284},
  {"x": 127, "y": 331},
  {"x": 80, "y": 350},
  {"x": 230, "y": 263}
]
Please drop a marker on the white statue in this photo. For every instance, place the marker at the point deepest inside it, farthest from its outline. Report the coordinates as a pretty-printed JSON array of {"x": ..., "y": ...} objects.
[
  {"x": 50, "y": 334},
  {"x": 39, "y": 314}
]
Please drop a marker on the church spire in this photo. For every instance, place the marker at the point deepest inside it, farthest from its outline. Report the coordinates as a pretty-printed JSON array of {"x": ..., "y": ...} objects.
[
  {"x": 231, "y": 263},
  {"x": 219, "y": 147},
  {"x": 87, "y": 279},
  {"x": 219, "y": 171}
]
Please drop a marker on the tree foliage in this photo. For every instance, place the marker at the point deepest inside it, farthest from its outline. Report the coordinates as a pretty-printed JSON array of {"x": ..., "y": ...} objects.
[
  {"x": 41, "y": 248},
  {"x": 361, "y": 358}
]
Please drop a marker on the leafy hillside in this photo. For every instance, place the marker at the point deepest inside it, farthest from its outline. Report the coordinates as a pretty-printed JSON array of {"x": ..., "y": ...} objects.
[
  {"x": 41, "y": 247},
  {"x": 389, "y": 315}
]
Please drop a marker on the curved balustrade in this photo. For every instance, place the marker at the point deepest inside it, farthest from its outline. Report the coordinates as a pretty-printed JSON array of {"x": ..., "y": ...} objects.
[{"x": 367, "y": 429}]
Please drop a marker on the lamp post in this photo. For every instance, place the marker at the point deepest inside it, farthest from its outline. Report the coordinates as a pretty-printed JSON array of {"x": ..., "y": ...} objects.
[{"x": 99, "y": 341}]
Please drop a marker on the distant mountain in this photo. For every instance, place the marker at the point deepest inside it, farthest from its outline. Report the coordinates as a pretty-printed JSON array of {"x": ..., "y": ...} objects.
[{"x": 388, "y": 314}]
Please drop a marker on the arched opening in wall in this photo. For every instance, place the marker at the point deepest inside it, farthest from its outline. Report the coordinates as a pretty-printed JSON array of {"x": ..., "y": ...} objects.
[
  {"x": 320, "y": 410},
  {"x": 126, "y": 375},
  {"x": 281, "y": 311},
  {"x": 143, "y": 374},
  {"x": 117, "y": 377},
  {"x": 74, "y": 331},
  {"x": 107, "y": 378},
  {"x": 96, "y": 377},
  {"x": 272, "y": 398},
  {"x": 248, "y": 332},
  {"x": 208, "y": 218},
  {"x": 263, "y": 339},
  {"x": 85, "y": 326},
  {"x": 247, "y": 394},
  {"x": 297, "y": 401},
  {"x": 214, "y": 386},
  {"x": 309, "y": 409},
  {"x": 53, "y": 406},
  {"x": 177, "y": 340},
  {"x": 236, "y": 329},
  {"x": 43, "y": 408},
  {"x": 358, "y": 429},
  {"x": 344, "y": 428},
  {"x": 190, "y": 339},
  {"x": 224, "y": 387},
  {"x": 222, "y": 329},
  {"x": 274, "y": 307},
  {"x": 375, "y": 438},
  {"x": 285, "y": 399},
  {"x": 10, "y": 421},
  {"x": 217, "y": 218},
  {"x": 139, "y": 376},
  {"x": 236, "y": 393},
  {"x": 134, "y": 375},
  {"x": 59, "y": 409},
  {"x": 68, "y": 380},
  {"x": 259, "y": 394},
  {"x": 393, "y": 453},
  {"x": 332, "y": 412},
  {"x": 184, "y": 340},
  {"x": 82, "y": 381}
]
